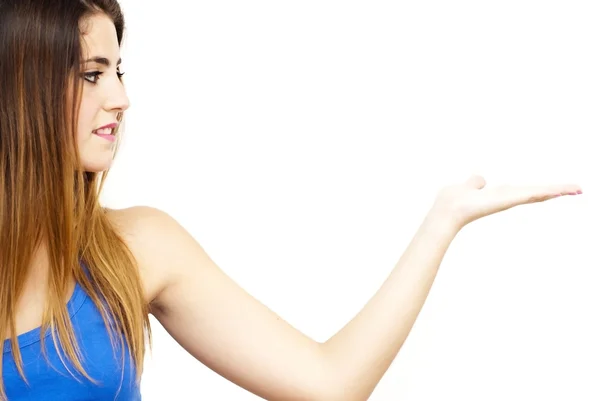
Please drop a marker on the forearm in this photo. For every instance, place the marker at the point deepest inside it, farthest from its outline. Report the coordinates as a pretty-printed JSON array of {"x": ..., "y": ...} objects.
[{"x": 362, "y": 351}]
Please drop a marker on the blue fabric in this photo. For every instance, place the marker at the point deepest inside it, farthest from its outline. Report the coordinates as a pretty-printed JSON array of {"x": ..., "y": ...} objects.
[{"x": 52, "y": 382}]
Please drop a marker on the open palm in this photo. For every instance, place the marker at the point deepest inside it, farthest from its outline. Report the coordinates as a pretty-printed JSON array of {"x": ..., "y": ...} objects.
[{"x": 471, "y": 200}]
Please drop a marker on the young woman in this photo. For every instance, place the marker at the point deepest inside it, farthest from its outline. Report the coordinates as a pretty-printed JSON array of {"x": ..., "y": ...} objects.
[{"x": 77, "y": 281}]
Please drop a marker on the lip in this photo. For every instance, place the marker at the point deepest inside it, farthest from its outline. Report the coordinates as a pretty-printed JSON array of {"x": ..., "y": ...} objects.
[
  {"x": 111, "y": 126},
  {"x": 110, "y": 138}
]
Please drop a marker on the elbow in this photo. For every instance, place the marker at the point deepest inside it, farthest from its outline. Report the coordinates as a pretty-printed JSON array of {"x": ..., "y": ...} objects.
[
  {"x": 324, "y": 379},
  {"x": 338, "y": 394},
  {"x": 332, "y": 386}
]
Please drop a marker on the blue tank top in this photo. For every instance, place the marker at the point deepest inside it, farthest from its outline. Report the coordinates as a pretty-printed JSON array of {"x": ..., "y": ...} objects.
[{"x": 53, "y": 382}]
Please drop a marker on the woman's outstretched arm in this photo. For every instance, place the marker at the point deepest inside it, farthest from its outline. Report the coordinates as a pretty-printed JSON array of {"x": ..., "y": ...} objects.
[{"x": 235, "y": 335}]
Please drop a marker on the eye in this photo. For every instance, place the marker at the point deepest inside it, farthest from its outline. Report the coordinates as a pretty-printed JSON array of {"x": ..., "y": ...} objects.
[{"x": 92, "y": 77}]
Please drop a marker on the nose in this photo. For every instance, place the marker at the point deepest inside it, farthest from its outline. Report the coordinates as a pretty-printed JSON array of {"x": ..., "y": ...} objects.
[{"x": 116, "y": 99}]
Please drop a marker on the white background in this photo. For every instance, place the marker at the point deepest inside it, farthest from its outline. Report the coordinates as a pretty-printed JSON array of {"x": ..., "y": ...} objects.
[{"x": 301, "y": 143}]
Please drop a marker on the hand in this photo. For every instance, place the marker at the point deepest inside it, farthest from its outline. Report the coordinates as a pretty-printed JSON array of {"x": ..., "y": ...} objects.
[{"x": 471, "y": 200}]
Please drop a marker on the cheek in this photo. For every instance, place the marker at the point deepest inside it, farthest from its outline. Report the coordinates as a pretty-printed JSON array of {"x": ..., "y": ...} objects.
[{"x": 85, "y": 120}]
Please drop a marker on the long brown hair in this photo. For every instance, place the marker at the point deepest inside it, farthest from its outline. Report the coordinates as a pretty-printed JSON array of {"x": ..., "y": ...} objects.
[{"x": 45, "y": 197}]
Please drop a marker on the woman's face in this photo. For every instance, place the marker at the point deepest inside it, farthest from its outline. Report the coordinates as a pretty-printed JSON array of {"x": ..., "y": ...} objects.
[{"x": 103, "y": 95}]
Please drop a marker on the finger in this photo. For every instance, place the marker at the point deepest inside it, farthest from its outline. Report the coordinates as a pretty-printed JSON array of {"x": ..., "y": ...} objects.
[
  {"x": 566, "y": 190},
  {"x": 532, "y": 194},
  {"x": 475, "y": 181}
]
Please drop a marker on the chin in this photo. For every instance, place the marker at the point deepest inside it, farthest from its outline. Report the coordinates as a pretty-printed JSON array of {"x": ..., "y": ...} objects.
[
  {"x": 97, "y": 166},
  {"x": 96, "y": 159}
]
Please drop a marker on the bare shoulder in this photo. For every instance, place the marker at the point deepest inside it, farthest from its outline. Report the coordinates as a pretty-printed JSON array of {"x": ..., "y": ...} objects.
[
  {"x": 138, "y": 220},
  {"x": 153, "y": 237}
]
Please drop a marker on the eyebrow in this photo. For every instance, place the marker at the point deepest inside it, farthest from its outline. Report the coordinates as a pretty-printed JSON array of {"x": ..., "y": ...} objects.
[{"x": 101, "y": 60}]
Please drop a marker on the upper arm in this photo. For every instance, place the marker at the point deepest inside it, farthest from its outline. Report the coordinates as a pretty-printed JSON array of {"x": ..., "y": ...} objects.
[{"x": 219, "y": 323}]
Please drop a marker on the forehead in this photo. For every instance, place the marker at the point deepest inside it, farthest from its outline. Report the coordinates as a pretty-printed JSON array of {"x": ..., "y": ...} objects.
[{"x": 99, "y": 37}]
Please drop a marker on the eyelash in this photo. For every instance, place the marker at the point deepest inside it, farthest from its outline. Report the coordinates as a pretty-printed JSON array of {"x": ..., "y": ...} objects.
[{"x": 96, "y": 75}]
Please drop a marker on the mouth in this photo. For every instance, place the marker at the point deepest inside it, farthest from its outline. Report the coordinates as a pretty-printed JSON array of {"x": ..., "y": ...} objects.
[
  {"x": 107, "y": 132},
  {"x": 104, "y": 131}
]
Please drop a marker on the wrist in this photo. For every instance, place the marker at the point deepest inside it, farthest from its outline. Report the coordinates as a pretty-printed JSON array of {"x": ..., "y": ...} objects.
[{"x": 443, "y": 222}]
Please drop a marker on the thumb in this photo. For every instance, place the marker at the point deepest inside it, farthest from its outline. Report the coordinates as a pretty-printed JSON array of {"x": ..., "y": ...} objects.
[{"x": 475, "y": 181}]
